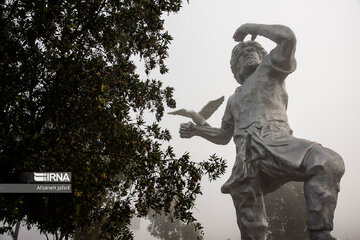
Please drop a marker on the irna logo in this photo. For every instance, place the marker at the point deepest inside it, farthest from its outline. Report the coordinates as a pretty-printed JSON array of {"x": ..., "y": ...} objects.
[{"x": 52, "y": 177}]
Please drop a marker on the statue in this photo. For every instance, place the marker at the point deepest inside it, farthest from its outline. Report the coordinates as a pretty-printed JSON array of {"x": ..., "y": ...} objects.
[{"x": 267, "y": 154}]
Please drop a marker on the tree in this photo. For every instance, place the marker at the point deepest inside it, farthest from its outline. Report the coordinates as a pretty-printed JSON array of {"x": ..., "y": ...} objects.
[
  {"x": 71, "y": 101},
  {"x": 286, "y": 212},
  {"x": 164, "y": 227}
]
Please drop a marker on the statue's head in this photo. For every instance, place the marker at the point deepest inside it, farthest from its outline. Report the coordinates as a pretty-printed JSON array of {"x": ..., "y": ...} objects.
[{"x": 245, "y": 58}]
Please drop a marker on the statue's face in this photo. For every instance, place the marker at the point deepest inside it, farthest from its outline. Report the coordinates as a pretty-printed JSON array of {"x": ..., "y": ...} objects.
[
  {"x": 245, "y": 58},
  {"x": 249, "y": 59}
]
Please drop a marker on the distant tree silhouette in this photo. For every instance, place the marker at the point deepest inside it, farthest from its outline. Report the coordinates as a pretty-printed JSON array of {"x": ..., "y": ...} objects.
[{"x": 165, "y": 227}]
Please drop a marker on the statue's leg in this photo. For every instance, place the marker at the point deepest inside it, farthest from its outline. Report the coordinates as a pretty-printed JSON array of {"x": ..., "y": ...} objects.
[
  {"x": 251, "y": 215},
  {"x": 324, "y": 169}
]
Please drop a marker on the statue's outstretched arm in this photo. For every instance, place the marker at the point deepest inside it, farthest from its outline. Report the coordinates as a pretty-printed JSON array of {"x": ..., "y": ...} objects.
[
  {"x": 216, "y": 135},
  {"x": 283, "y": 55}
]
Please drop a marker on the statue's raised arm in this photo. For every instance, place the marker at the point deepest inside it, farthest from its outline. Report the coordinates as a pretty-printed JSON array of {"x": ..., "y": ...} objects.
[{"x": 282, "y": 56}]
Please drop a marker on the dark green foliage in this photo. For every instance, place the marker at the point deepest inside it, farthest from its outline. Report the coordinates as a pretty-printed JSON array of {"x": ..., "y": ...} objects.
[
  {"x": 70, "y": 100},
  {"x": 286, "y": 213}
]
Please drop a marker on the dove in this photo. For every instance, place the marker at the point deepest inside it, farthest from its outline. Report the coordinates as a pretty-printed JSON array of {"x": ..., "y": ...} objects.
[{"x": 199, "y": 118}]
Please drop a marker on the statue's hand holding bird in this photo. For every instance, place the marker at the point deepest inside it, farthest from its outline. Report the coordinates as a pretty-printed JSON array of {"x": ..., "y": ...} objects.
[{"x": 199, "y": 118}]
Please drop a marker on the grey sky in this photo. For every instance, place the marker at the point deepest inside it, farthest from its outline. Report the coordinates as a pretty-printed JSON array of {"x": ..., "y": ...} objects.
[{"x": 323, "y": 91}]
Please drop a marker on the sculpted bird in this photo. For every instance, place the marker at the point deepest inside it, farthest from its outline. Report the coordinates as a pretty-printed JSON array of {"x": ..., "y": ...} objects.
[{"x": 200, "y": 117}]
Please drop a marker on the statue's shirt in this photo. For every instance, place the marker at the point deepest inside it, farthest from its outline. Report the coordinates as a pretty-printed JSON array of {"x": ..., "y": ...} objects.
[{"x": 261, "y": 98}]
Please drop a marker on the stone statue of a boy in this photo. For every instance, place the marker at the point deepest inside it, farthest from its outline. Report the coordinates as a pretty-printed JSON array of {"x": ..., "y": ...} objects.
[{"x": 267, "y": 155}]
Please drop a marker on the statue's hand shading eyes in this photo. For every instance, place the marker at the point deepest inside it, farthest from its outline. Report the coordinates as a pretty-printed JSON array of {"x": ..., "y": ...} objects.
[{"x": 242, "y": 32}]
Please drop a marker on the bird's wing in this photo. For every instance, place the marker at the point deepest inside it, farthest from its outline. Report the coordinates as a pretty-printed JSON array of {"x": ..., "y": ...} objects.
[
  {"x": 181, "y": 112},
  {"x": 211, "y": 107}
]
